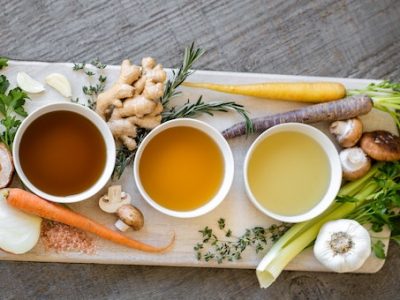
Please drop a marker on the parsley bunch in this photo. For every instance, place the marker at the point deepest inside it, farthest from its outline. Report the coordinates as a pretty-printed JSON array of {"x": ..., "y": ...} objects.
[{"x": 11, "y": 104}]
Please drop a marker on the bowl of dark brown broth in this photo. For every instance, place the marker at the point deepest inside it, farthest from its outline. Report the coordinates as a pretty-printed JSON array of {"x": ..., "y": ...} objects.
[{"x": 64, "y": 152}]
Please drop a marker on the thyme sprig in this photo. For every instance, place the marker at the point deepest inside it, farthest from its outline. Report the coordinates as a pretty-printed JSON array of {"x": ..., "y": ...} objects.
[
  {"x": 212, "y": 248},
  {"x": 91, "y": 90}
]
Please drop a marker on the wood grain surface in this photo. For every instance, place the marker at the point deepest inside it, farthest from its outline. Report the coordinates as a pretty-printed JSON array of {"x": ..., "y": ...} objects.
[{"x": 327, "y": 38}]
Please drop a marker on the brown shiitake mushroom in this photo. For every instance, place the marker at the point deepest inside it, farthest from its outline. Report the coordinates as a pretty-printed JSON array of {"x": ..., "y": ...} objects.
[
  {"x": 6, "y": 166},
  {"x": 355, "y": 163},
  {"x": 347, "y": 132},
  {"x": 129, "y": 216},
  {"x": 381, "y": 145}
]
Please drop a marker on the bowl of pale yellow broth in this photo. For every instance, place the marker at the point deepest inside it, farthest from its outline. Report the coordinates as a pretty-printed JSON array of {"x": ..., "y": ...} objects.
[
  {"x": 184, "y": 168},
  {"x": 292, "y": 172}
]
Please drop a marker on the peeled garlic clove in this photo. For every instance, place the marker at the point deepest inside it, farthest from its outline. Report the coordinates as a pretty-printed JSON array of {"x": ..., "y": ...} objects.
[
  {"x": 60, "y": 83},
  {"x": 28, "y": 84}
]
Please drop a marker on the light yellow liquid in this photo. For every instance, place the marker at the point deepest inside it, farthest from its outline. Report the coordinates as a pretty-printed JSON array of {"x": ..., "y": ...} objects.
[
  {"x": 288, "y": 173},
  {"x": 181, "y": 168}
]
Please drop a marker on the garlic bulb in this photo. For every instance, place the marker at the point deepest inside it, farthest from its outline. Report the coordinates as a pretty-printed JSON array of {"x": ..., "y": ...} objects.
[
  {"x": 19, "y": 232},
  {"x": 342, "y": 245}
]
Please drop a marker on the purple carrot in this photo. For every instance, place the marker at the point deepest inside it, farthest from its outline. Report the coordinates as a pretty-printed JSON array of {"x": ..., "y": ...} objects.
[{"x": 342, "y": 109}]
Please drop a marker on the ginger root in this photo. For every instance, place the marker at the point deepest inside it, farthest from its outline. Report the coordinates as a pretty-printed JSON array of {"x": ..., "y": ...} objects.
[{"x": 133, "y": 101}]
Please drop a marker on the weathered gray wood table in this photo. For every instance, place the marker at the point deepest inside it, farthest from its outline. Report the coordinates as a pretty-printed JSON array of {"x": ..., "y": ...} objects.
[{"x": 328, "y": 38}]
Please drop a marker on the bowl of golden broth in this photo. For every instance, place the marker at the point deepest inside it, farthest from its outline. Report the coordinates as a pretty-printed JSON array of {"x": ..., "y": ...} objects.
[
  {"x": 292, "y": 172},
  {"x": 184, "y": 168},
  {"x": 64, "y": 152}
]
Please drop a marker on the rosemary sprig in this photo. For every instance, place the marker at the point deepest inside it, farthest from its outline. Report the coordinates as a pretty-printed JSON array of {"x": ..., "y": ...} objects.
[
  {"x": 190, "y": 56},
  {"x": 213, "y": 248},
  {"x": 94, "y": 89},
  {"x": 193, "y": 109}
]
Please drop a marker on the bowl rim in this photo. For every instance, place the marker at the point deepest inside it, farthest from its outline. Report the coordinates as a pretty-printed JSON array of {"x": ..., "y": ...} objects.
[
  {"x": 334, "y": 163},
  {"x": 105, "y": 132},
  {"x": 226, "y": 153}
]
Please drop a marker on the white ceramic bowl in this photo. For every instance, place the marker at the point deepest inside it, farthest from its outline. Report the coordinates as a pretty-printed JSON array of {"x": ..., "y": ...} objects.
[
  {"x": 105, "y": 133},
  {"x": 334, "y": 163},
  {"x": 223, "y": 146}
]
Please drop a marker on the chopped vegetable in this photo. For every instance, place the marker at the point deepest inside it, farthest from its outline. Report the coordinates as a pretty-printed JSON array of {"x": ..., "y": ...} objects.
[
  {"x": 19, "y": 232},
  {"x": 60, "y": 83},
  {"x": 32, "y": 204},
  {"x": 342, "y": 245},
  {"x": 6, "y": 166},
  {"x": 346, "y": 108},
  {"x": 28, "y": 84},
  {"x": 289, "y": 91},
  {"x": 370, "y": 199}
]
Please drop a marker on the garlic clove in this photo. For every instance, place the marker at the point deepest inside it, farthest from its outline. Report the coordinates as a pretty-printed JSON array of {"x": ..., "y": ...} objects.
[
  {"x": 60, "y": 83},
  {"x": 28, "y": 84}
]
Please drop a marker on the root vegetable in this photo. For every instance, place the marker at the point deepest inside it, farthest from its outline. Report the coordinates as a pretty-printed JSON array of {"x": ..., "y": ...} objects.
[
  {"x": 133, "y": 101},
  {"x": 289, "y": 91},
  {"x": 343, "y": 109},
  {"x": 32, "y": 204}
]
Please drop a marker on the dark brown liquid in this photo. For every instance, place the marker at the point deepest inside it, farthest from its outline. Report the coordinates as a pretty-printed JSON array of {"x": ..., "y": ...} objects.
[{"x": 62, "y": 153}]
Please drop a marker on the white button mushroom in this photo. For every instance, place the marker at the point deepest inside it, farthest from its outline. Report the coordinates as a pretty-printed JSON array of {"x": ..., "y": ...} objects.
[
  {"x": 355, "y": 163},
  {"x": 347, "y": 132},
  {"x": 342, "y": 245},
  {"x": 119, "y": 202}
]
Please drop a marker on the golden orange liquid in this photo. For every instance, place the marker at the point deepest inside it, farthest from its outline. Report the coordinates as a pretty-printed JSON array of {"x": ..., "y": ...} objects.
[
  {"x": 62, "y": 153},
  {"x": 288, "y": 173},
  {"x": 181, "y": 168}
]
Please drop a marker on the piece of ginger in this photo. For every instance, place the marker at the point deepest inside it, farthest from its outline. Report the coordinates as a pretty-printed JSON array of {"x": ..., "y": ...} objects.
[{"x": 133, "y": 101}]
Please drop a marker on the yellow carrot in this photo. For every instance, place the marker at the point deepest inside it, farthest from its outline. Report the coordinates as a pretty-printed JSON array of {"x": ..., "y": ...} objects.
[{"x": 289, "y": 91}]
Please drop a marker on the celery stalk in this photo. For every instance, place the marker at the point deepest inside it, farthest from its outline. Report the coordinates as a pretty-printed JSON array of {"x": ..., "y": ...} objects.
[{"x": 301, "y": 235}]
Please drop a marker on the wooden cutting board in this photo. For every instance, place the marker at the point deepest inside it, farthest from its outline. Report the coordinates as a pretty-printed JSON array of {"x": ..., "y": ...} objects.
[{"x": 236, "y": 209}]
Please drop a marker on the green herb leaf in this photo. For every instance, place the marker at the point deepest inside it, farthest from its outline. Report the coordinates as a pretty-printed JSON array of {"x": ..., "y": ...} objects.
[
  {"x": 379, "y": 249},
  {"x": 3, "y": 62}
]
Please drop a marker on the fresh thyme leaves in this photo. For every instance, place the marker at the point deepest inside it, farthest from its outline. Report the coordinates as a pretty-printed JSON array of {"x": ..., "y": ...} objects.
[
  {"x": 379, "y": 249},
  {"x": 190, "y": 56},
  {"x": 211, "y": 248},
  {"x": 192, "y": 109},
  {"x": 11, "y": 104},
  {"x": 92, "y": 90},
  {"x": 3, "y": 62}
]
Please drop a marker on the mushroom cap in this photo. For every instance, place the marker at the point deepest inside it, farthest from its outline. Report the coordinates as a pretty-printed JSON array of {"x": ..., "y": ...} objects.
[
  {"x": 347, "y": 132},
  {"x": 131, "y": 216},
  {"x": 111, "y": 206},
  {"x": 6, "y": 166},
  {"x": 381, "y": 145},
  {"x": 355, "y": 163}
]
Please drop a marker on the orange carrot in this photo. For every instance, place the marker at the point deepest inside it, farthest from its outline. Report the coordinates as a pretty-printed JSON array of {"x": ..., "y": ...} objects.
[
  {"x": 289, "y": 91},
  {"x": 32, "y": 204}
]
